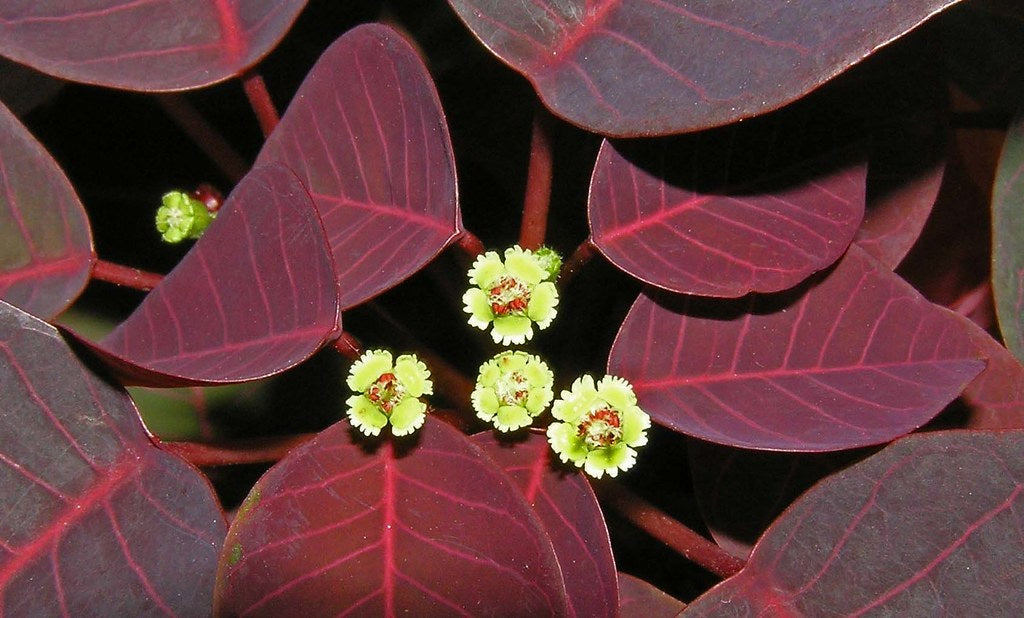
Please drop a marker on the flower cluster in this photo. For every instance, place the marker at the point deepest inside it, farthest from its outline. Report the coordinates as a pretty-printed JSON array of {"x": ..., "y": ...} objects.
[
  {"x": 511, "y": 295},
  {"x": 388, "y": 392},
  {"x": 512, "y": 388},
  {"x": 597, "y": 424},
  {"x": 600, "y": 424}
]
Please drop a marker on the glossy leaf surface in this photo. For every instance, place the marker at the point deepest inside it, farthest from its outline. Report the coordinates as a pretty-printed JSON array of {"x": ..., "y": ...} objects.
[
  {"x": 854, "y": 358},
  {"x": 638, "y": 599},
  {"x": 629, "y": 68},
  {"x": 366, "y": 134},
  {"x": 740, "y": 492},
  {"x": 1008, "y": 239},
  {"x": 254, "y": 296},
  {"x": 45, "y": 242},
  {"x": 428, "y": 528},
  {"x": 571, "y": 516},
  {"x": 144, "y": 44},
  {"x": 654, "y": 215},
  {"x": 899, "y": 533},
  {"x": 96, "y": 519}
]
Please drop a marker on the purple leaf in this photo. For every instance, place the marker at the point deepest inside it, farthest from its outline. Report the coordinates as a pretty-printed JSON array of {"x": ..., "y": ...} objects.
[
  {"x": 1008, "y": 239},
  {"x": 45, "y": 242},
  {"x": 741, "y": 492},
  {"x": 366, "y": 134},
  {"x": 255, "y": 296},
  {"x": 653, "y": 218},
  {"x": 929, "y": 526},
  {"x": 144, "y": 44},
  {"x": 568, "y": 509},
  {"x": 638, "y": 599},
  {"x": 428, "y": 528},
  {"x": 855, "y": 358},
  {"x": 96, "y": 518},
  {"x": 669, "y": 66},
  {"x": 996, "y": 396}
]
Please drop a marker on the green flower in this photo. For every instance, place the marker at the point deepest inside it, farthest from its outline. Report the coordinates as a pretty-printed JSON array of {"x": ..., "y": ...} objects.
[
  {"x": 388, "y": 392},
  {"x": 600, "y": 426},
  {"x": 512, "y": 295},
  {"x": 511, "y": 389},
  {"x": 181, "y": 216}
]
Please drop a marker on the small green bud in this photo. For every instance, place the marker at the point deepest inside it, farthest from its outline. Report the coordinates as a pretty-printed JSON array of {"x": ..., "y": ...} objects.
[
  {"x": 181, "y": 216},
  {"x": 549, "y": 261}
]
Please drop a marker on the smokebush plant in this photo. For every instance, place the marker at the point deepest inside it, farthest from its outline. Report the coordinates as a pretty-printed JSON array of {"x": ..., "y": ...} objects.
[{"x": 788, "y": 320}]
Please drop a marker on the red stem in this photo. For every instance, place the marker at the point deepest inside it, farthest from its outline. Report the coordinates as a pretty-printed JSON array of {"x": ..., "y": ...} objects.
[
  {"x": 659, "y": 525},
  {"x": 348, "y": 346},
  {"x": 576, "y": 261},
  {"x": 209, "y": 140},
  {"x": 538, "y": 186},
  {"x": 259, "y": 99},
  {"x": 124, "y": 275},
  {"x": 468, "y": 243},
  {"x": 260, "y": 450}
]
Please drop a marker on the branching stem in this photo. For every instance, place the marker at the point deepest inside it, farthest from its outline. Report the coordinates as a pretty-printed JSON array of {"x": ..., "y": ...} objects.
[
  {"x": 659, "y": 525},
  {"x": 259, "y": 99},
  {"x": 538, "y": 185},
  {"x": 348, "y": 346},
  {"x": 576, "y": 261},
  {"x": 125, "y": 276},
  {"x": 468, "y": 244},
  {"x": 261, "y": 450}
]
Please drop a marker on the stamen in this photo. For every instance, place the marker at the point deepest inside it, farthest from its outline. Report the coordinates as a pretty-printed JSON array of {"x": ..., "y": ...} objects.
[
  {"x": 601, "y": 427},
  {"x": 386, "y": 392},
  {"x": 509, "y": 296}
]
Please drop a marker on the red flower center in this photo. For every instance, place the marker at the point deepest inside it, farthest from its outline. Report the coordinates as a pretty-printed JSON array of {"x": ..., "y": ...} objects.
[
  {"x": 601, "y": 427},
  {"x": 386, "y": 392},
  {"x": 509, "y": 296},
  {"x": 512, "y": 390}
]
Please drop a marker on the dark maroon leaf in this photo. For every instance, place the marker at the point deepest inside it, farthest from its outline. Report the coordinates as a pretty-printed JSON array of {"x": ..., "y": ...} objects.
[
  {"x": 255, "y": 296},
  {"x": 1008, "y": 239},
  {"x": 741, "y": 492},
  {"x": 23, "y": 90},
  {"x": 428, "y": 528},
  {"x": 45, "y": 242},
  {"x": 568, "y": 509},
  {"x": 996, "y": 396},
  {"x": 908, "y": 148},
  {"x": 895, "y": 217},
  {"x": 854, "y": 358},
  {"x": 650, "y": 217},
  {"x": 638, "y": 599},
  {"x": 929, "y": 526},
  {"x": 144, "y": 44},
  {"x": 366, "y": 134},
  {"x": 96, "y": 519},
  {"x": 981, "y": 42},
  {"x": 668, "y": 66}
]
